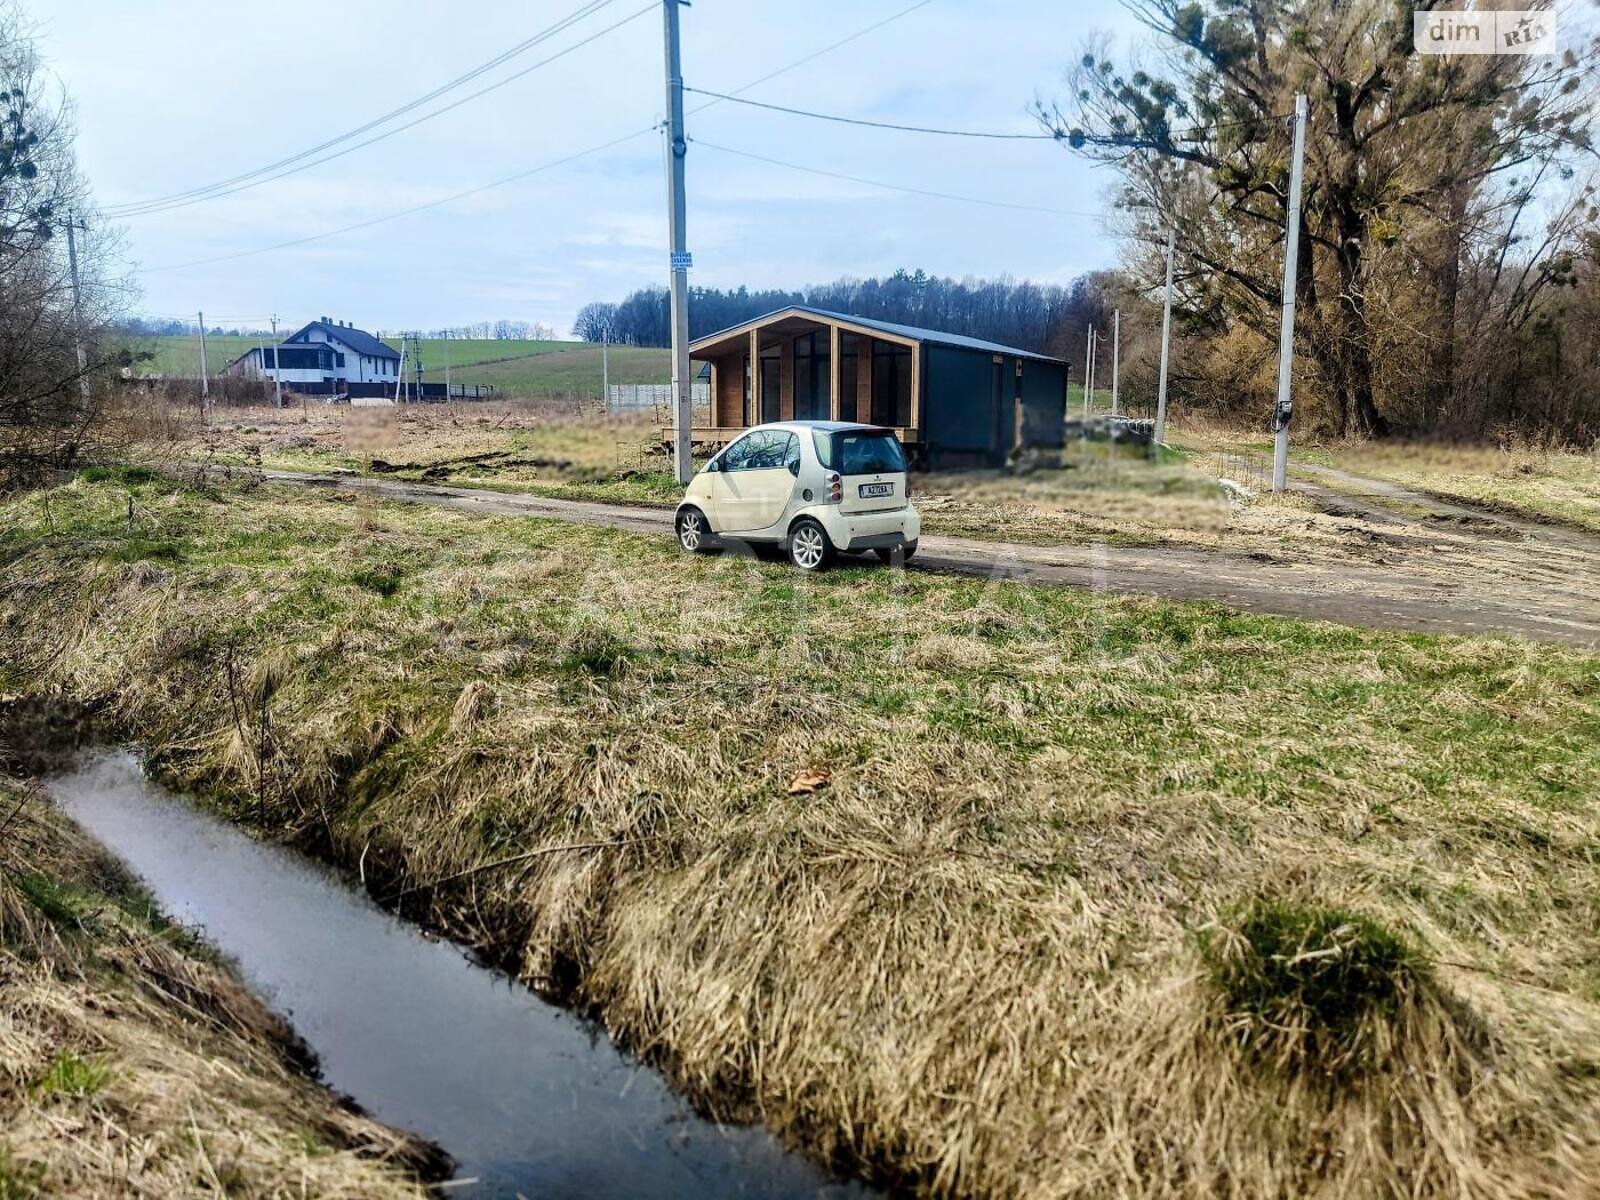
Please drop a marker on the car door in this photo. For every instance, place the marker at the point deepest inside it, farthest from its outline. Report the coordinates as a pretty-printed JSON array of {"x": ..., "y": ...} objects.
[{"x": 760, "y": 481}]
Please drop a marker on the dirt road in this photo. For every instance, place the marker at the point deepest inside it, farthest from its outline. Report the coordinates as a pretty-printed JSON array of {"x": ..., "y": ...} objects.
[{"x": 1506, "y": 576}]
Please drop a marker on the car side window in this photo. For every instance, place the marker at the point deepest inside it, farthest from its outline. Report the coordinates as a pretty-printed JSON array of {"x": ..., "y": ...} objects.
[
  {"x": 736, "y": 457},
  {"x": 769, "y": 455}
]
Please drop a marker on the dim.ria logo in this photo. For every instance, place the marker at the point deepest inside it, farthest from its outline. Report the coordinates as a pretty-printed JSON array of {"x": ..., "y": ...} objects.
[{"x": 1510, "y": 31}]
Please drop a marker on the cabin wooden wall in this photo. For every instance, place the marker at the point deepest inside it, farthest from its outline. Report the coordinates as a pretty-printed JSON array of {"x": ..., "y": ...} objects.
[{"x": 727, "y": 397}]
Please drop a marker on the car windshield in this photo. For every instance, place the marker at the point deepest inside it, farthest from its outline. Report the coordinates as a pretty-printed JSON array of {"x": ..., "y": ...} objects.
[{"x": 859, "y": 452}]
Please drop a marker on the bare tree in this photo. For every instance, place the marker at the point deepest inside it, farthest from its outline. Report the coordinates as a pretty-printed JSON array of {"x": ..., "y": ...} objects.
[{"x": 51, "y": 407}]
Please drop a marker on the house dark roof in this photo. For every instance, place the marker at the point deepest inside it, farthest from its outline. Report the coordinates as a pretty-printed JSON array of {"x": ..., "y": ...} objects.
[
  {"x": 358, "y": 340},
  {"x": 936, "y": 336}
]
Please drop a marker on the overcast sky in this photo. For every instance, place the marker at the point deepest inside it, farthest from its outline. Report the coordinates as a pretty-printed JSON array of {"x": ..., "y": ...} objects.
[{"x": 176, "y": 94}]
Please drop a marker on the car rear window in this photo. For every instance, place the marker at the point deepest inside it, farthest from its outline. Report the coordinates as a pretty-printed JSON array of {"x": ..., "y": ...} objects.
[{"x": 859, "y": 452}]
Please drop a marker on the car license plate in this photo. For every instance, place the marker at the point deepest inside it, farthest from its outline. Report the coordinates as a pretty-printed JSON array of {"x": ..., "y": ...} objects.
[{"x": 869, "y": 490}]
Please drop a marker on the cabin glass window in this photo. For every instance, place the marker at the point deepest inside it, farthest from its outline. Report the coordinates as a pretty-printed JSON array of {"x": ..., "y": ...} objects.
[{"x": 891, "y": 384}]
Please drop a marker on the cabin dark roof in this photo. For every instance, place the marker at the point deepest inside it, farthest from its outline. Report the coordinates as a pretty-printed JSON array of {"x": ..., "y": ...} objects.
[
  {"x": 935, "y": 336},
  {"x": 358, "y": 340}
]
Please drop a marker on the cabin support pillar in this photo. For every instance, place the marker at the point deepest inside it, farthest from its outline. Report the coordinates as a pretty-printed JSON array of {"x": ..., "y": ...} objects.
[
  {"x": 834, "y": 409},
  {"x": 863, "y": 379},
  {"x": 753, "y": 417}
]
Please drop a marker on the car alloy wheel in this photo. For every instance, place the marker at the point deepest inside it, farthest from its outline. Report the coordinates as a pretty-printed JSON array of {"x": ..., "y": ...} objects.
[
  {"x": 808, "y": 546},
  {"x": 691, "y": 531}
]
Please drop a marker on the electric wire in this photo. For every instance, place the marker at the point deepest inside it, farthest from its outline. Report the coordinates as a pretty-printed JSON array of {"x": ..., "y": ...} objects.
[
  {"x": 305, "y": 165},
  {"x": 406, "y": 212},
  {"x": 587, "y": 9},
  {"x": 801, "y": 112},
  {"x": 534, "y": 170},
  {"x": 894, "y": 187}
]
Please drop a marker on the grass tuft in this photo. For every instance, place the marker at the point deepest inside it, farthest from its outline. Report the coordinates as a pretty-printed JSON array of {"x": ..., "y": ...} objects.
[
  {"x": 1305, "y": 984},
  {"x": 73, "y": 1076}
]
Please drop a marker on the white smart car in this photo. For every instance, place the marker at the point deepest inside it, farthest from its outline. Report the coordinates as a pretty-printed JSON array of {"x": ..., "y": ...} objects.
[{"x": 810, "y": 488}]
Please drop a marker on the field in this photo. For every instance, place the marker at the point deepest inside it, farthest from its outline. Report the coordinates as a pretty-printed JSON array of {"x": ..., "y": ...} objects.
[
  {"x": 970, "y": 886},
  {"x": 132, "y": 1062},
  {"x": 512, "y": 366}
]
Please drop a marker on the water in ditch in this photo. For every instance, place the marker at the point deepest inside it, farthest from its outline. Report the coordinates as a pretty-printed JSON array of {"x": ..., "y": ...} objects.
[{"x": 527, "y": 1098}]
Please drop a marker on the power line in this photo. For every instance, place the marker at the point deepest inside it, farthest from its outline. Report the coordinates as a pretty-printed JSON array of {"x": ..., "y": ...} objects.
[
  {"x": 801, "y": 112},
  {"x": 546, "y": 166},
  {"x": 255, "y": 179},
  {"x": 894, "y": 187},
  {"x": 406, "y": 212}
]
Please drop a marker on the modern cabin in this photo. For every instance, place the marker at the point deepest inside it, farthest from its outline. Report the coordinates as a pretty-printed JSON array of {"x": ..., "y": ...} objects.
[{"x": 953, "y": 400}]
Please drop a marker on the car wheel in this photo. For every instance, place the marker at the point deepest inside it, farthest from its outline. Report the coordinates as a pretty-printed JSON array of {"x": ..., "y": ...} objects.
[
  {"x": 897, "y": 555},
  {"x": 809, "y": 547},
  {"x": 694, "y": 535}
]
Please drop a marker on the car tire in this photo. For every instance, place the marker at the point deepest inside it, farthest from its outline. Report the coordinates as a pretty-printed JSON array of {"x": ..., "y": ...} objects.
[
  {"x": 694, "y": 534},
  {"x": 897, "y": 556},
  {"x": 809, "y": 546}
]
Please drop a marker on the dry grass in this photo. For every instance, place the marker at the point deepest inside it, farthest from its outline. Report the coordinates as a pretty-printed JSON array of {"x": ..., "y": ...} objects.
[
  {"x": 974, "y": 962},
  {"x": 1548, "y": 483},
  {"x": 133, "y": 1064}
]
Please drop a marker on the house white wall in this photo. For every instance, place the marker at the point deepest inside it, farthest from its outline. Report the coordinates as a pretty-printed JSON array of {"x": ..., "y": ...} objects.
[{"x": 359, "y": 367}]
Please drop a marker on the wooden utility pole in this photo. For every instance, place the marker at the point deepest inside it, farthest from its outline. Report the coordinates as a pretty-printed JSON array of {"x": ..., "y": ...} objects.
[
  {"x": 677, "y": 215},
  {"x": 1166, "y": 342},
  {"x": 1284, "y": 408}
]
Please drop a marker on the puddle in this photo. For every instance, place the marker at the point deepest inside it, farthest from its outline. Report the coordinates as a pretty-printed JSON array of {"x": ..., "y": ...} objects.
[{"x": 528, "y": 1099}]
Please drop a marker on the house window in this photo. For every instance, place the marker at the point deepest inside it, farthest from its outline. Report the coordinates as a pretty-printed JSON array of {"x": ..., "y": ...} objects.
[
  {"x": 811, "y": 366},
  {"x": 339, "y": 359},
  {"x": 891, "y": 384}
]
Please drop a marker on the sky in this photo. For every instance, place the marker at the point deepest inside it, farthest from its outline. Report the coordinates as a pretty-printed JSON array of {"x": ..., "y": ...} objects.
[{"x": 171, "y": 96}]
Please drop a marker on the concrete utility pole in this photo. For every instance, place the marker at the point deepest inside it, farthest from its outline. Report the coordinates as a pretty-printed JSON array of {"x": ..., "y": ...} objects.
[
  {"x": 1166, "y": 342},
  {"x": 1116, "y": 354},
  {"x": 1291, "y": 273},
  {"x": 77, "y": 309},
  {"x": 205, "y": 384},
  {"x": 277, "y": 375},
  {"x": 400, "y": 372},
  {"x": 1088, "y": 380},
  {"x": 446, "y": 351},
  {"x": 605, "y": 367},
  {"x": 677, "y": 213}
]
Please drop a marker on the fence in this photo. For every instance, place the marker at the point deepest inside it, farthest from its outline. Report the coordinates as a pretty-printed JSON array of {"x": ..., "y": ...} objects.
[
  {"x": 1246, "y": 468},
  {"x": 655, "y": 398}
]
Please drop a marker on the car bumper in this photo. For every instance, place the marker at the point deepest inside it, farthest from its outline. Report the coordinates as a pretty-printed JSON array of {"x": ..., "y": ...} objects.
[{"x": 872, "y": 531}]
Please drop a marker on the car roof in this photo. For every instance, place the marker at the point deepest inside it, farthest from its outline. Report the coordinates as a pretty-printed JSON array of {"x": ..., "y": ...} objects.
[{"x": 825, "y": 426}]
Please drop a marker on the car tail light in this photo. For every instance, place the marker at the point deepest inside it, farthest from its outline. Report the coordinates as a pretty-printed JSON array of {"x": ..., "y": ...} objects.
[{"x": 835, "y": 487}]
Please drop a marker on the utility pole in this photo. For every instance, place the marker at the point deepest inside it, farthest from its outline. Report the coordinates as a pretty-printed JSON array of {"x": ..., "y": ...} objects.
[
  {"x": 677, "y": 212},
  {"x": 77, "y": 309},
  {"x": 1291, "y": 273},
  {"x": 400, "y": 372},
  {"x": 605, "y": 367},
  {"x": 205, "y": 385},
  {"x": 1166, "y": 341},
  {"x": 446, "y": 351},
  {"x": 277, "y": 375},
  {"x": 1116, "y": 354},
  {"x": 1088, "y": 382}
]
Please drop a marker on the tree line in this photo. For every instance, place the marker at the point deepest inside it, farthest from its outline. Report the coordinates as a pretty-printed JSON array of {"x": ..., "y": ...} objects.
[{"x": 1044, "y": 318}]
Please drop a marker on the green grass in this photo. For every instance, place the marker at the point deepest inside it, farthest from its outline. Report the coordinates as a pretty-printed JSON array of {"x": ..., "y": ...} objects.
[
  {"x": 517, "y": 367},
  {"x": 73, "y": 1076}
]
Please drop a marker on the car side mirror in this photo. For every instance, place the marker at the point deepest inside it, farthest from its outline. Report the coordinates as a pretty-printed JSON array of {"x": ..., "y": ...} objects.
[
  {"x": 794, "y": 467},
  {"x": 713, "y": 465}
]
